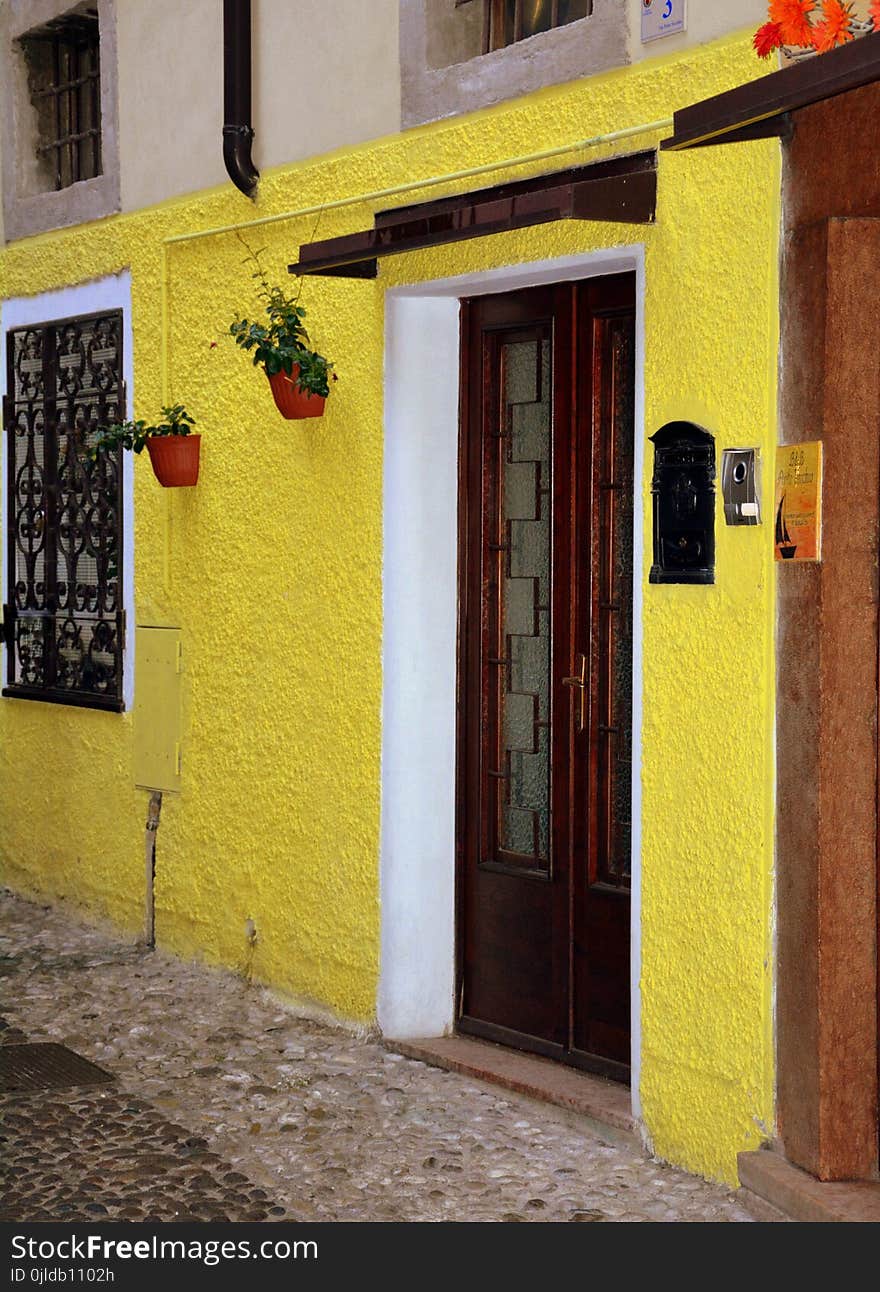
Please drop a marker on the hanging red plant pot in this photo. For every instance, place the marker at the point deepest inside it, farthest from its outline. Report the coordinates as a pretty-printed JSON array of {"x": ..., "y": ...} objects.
[
  {"x": 174, "y": 458},
  {"x": 290, "y": 400}
]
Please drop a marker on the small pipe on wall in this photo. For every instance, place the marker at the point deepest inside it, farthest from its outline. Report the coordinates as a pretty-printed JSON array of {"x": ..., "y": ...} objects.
[
  {"x": 154, "y": 812},
  {"x": 238, "y": 132}
]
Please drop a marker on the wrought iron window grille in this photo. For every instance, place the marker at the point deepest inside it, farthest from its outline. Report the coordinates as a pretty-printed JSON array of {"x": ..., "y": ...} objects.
[
  {"x": 64, "y": 622},
  {"x": 64, "y": 73}
]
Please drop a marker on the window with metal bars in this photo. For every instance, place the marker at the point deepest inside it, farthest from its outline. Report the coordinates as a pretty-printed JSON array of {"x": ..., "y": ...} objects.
[
  {"x": 64, "y": 78},
  {"x": 508, "y": 21},
  {"x": 64, "y": 620}
]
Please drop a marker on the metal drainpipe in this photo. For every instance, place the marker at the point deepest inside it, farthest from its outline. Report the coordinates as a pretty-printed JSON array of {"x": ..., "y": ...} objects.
[{"x": 238, "y": 133}]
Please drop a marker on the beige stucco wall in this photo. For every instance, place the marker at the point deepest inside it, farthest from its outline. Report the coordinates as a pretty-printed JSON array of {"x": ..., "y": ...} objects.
[
  {"x": 170, "y": 98},
  {"x": 323, "y": 77},
  {"x": 326, "y": 74}
]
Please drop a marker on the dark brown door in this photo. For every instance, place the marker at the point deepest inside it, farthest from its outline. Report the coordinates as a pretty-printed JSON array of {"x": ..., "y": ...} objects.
[{"x": 545, "y": 670}]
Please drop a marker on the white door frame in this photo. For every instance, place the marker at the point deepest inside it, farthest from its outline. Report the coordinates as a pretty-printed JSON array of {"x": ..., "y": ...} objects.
[{"x": 420, "y": 616}]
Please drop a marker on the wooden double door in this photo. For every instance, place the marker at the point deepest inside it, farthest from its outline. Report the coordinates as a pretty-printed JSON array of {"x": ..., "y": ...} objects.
[{"x": 545, "y": 670}]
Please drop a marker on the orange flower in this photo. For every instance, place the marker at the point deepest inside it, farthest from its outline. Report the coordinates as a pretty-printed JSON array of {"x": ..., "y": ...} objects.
[
  {"x": 835, "y": 28},
  {"x": 791, "y": 17},
  {"x": 768, "y": 38},
  {"x": 874, "y": 13}
]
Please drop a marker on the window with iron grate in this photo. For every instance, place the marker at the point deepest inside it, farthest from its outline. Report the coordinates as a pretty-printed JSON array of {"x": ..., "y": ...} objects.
[
  {"x": 64, "y": 81},
  {"x": 64, "y": 618}
]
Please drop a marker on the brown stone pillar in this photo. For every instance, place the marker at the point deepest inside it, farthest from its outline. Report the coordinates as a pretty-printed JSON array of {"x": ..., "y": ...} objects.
[{"x": 827, "y": 651}]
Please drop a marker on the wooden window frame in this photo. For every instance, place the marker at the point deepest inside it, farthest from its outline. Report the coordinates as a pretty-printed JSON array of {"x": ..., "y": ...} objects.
[{"x": 494, "y": 23}]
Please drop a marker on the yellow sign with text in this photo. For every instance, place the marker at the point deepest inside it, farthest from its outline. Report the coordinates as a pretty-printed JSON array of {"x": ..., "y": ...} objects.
[{"x": 798, "y": 507}]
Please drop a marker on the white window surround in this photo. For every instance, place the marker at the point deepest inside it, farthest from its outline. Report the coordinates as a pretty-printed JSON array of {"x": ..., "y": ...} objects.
[
  {"x": 25, "y": 211},
  {"x": 111, "y": 293},
  {"x": 420, "y": 594},
  {"x": 578, "y": 49}
]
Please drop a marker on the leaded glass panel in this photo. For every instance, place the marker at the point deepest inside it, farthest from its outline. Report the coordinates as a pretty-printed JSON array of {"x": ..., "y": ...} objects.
[{"x": 525, "y": 526}]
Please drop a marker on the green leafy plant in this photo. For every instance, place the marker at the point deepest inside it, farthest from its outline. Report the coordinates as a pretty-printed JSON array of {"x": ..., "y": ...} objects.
[
  {"x": 282, "y": 343},
  {"x": 134, "y": 435}
]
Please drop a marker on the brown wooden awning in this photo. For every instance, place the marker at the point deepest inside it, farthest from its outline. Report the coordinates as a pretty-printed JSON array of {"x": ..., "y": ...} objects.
[
  {"x": 760, "y": 108},
  {"x": 621, "y": 190}
]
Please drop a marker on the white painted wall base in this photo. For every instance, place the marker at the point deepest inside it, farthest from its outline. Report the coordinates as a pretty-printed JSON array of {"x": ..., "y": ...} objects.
[
  {"x": 419, "y": 661},
  {"x": 417, "y": 863}
]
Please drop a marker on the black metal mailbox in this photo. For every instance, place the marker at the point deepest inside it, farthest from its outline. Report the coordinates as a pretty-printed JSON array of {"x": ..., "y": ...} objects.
[{"x": 683, "y": 492}]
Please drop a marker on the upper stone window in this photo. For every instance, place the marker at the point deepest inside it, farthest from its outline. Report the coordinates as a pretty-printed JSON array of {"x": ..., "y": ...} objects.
[
  {"x": 461, "y": 55},
  {"x": 64, "y": 79},
  {"x": 58, "y": 112}
]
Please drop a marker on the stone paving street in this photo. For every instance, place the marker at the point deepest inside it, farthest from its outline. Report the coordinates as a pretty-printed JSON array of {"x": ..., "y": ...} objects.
[{"x": 227, "y": 1104}]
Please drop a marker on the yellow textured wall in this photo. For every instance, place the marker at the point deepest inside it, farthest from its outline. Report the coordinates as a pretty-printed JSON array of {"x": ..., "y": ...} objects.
[
  {"x": 272, "y": 568},
  {"x": 708, "y": 771}
]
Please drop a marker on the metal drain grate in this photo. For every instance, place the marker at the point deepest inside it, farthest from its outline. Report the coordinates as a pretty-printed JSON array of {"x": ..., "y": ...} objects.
[{"x": 45, "y": 1066}]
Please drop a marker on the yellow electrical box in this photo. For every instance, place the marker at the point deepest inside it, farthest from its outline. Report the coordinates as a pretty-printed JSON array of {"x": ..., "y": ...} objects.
[{"x": 157, "y": 678}]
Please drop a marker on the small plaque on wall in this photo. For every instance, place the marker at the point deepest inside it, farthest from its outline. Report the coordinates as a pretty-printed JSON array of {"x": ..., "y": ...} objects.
[
  {"x": 798, "y": 506},
  {"x": 662, "y": 18}
]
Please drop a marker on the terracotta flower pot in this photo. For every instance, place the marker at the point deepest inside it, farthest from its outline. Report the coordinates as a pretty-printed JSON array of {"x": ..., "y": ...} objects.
[
  {"x": 290, "y": 400},
  {"x": 174, "y": 458}
]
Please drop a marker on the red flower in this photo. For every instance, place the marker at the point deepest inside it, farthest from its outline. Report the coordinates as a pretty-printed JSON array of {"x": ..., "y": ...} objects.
[
  {"x": 874, "y": 14},
  {"x": 835, "y": 28},
  {"x": 791, "y": 17},
  {"x": 768, "y": 38}
]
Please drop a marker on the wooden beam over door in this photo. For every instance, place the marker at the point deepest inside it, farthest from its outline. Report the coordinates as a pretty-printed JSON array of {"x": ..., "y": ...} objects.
[{"x": 622, "y": 190}]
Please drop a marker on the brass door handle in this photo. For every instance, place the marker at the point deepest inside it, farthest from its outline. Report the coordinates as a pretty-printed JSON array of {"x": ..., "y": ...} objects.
[{"x": 579, "y": 682}]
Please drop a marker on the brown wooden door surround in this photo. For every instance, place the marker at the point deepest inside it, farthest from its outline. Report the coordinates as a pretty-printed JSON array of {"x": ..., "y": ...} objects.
[{"x": 545, "y": 670}]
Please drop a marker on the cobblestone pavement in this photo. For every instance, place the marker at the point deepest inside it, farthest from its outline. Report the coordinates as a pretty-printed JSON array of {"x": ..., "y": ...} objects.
[
  {"x": 104, "y": 1155},
  {"x": 228, "y": 1104}
]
